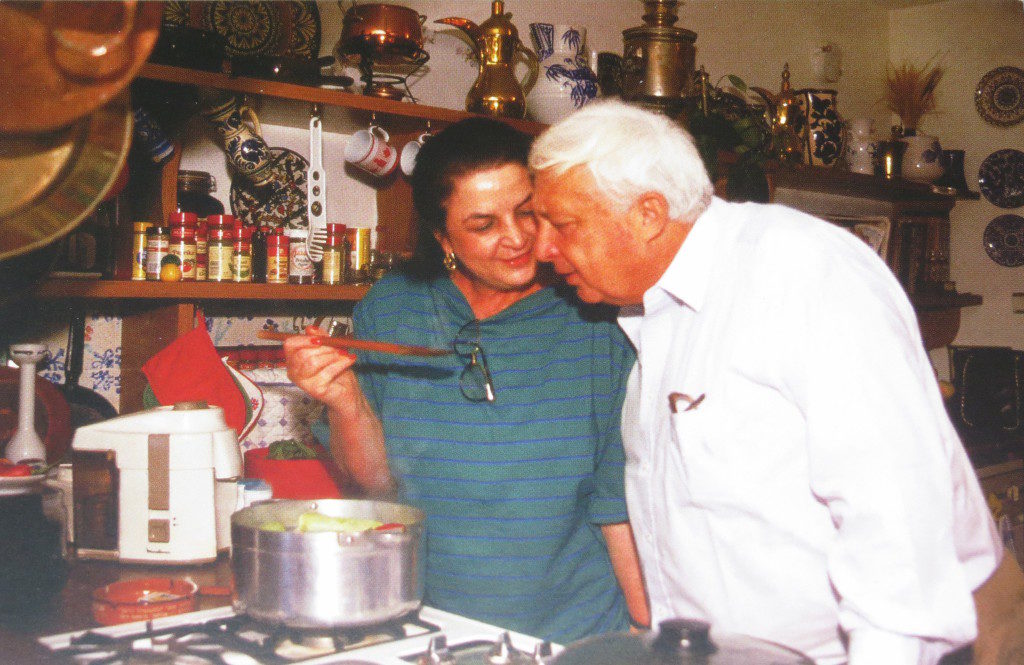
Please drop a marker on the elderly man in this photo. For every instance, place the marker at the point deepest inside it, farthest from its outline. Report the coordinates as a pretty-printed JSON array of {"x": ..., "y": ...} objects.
[{"x": 791, "y": 471}]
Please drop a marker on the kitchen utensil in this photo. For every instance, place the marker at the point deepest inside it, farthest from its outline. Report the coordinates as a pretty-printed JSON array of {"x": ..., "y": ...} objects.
[
  {"x": 369, "y": 150},
  {"x": 325, "y": 579},
  {"x": 363, "y": 344},
  {"x": 279, "y": 203},
  {"x": 317, "y": 189},
  {"x": 52, "y": 414},
  {"x": 50, "y": 182},
  {"x": 496, "y": 90},
  {"x": 387, "y": 34},
  {"x": 142, "y": 600},
  {"x": 86, "y": 406},
  {"x": 657, "y": 61},
  {"x": 678, "y": 642},
  {"x": 285, "y": 28},
  {"x": 26, "y": 446},
  {"x": 292, "y": 478},
  {"x": 303, "y": 71},
  {"x": 59, "y": 61},
  {"x": 155, "y": 486}
]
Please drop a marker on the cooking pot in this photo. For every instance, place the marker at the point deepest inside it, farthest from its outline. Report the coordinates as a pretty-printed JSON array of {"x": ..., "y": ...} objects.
[
  {"x": 303, "y": 71},
  {"x": 678, "y": 642},
  {"x": 388, "y": 34},
  {"x": 318, "y": 580}
]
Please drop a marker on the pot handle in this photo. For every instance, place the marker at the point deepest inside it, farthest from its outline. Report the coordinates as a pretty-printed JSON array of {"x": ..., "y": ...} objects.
[{"x": 533, "y": 62}]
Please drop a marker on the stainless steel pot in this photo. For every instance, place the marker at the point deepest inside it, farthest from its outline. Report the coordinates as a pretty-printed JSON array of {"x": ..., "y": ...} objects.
[{"x": 326, "y": 580}]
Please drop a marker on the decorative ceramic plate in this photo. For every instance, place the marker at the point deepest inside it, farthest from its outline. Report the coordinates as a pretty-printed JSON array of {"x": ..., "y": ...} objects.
[
  {"x": 1001, "y": 178},
  {"x": 1000, "y": 96},
  {"x": 1004, "y": 240},
  {"x": 281, "y": 202},
  {"x": 281, "y": 28}
]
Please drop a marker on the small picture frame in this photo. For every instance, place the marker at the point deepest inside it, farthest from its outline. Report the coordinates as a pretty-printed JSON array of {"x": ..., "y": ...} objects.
[{"x": 873, "y": 230}]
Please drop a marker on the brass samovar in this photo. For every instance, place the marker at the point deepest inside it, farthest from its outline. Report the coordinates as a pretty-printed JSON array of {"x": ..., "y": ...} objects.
[{"x": 657, "y": 61}]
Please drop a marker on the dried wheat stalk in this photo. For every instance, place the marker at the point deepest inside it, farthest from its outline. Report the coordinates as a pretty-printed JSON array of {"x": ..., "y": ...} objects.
[{"x": 910, "y": 91}]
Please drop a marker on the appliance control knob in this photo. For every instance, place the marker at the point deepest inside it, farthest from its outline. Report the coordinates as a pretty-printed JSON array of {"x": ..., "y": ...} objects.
[
  {"x": 437, "y": 652},
  {"x": 542, "y": 652},
  {"x": 503, "y": 653}
]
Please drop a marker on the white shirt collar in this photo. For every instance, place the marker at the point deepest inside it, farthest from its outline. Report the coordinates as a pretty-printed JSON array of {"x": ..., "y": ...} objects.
[{"x": 689, "y": 274}]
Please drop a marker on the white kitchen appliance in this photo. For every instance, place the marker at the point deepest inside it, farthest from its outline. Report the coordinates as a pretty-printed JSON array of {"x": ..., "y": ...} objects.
[{"x": 157, "y": 486}]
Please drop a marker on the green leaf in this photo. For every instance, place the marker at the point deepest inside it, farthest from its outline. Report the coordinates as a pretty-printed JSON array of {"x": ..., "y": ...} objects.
[{"x": 737, "y": 82}]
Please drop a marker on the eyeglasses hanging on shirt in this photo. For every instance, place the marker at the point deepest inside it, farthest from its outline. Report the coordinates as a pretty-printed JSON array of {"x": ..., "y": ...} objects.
[{"x": 475, "y": 382}]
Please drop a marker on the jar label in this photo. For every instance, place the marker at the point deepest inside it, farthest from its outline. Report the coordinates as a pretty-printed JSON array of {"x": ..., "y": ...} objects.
[
  {"x": 299, "y": 263},
  {"x": 187, "y": 253},
  {"x": 333, "y": 266},
  {"x": 277, "y": 268},
  {"x": 219, "y": 263},
  {"x": 241, "y": 268}
]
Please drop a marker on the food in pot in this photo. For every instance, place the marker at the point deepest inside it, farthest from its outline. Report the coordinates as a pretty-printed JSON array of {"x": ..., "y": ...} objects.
[{"x": 314, "y": 522}]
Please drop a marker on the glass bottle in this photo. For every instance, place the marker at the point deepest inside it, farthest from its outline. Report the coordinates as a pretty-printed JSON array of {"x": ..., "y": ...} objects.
[
  {"x": 241, "y": 254},
  {"x": 194, "y": 189},
  {"x": 277, "y": 257},
  {"x": 335, "y": 255},
  {"x": 221, "y": 236},
  {"x": 259, "y": 253}
]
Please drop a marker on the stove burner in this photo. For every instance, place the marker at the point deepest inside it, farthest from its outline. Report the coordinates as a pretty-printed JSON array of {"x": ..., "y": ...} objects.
[{"x": 234, "y": 640}]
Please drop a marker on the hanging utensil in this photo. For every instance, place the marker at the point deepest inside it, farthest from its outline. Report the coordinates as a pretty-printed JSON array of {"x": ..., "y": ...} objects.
[{"x": 316, "y": 200}]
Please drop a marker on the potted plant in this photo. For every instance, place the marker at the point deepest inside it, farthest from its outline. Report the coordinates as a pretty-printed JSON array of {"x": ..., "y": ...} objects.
[{"x": 910, "y": 94}]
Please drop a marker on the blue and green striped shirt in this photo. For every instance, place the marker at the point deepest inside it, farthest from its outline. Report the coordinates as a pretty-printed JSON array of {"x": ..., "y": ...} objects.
[{"x": 514, "y": 491}]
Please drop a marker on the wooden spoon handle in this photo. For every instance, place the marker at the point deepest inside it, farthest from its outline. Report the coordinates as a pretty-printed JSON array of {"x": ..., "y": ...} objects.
[{"x": 362, "y": 344}]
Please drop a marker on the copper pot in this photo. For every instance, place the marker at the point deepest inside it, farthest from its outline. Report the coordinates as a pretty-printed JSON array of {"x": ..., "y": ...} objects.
[{"x": 387, "y": 34}]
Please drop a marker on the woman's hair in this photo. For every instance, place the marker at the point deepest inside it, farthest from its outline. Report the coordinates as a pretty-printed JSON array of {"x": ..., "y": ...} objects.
[
  {"x": 628, "y": 151},
  {"x": 461, "y": 149}
]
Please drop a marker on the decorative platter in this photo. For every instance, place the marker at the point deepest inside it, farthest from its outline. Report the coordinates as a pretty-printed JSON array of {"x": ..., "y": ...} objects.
[
  {"x": 1001, "y": 178},
  {"x": 1000, "y": 96},
  {"x": 1004, "y": 240},
  {"x": 280, "y": 202},
  {"x": 289, "y": 28}
]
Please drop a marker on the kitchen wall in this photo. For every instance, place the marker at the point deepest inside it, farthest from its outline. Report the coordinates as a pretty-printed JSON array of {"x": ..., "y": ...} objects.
[{"x": 969, "y": 39}]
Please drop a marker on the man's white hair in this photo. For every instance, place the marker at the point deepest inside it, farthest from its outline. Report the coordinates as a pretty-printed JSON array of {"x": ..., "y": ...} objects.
[{"x": 628, "y": 151}]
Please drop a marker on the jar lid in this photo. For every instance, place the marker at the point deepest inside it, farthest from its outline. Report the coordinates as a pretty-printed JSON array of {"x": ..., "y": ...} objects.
[
  {"x": 243, "y": 232},
  {"x": 334, "y": 229},
  {"x": 221, "y": 220},
  {"x": 183, "y": 218},
  {"x": 157, "y": 230},
  {"x": 192, "y": 180}
]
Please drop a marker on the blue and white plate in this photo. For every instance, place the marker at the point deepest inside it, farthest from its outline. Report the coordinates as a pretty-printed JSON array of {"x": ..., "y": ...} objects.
[
  {"x": 1004, "y": 240},
  {"x": 1001, "y": 178}
]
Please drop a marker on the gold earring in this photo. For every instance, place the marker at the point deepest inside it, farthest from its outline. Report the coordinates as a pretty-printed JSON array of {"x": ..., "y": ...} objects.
[{"x": 449, "y": 261}]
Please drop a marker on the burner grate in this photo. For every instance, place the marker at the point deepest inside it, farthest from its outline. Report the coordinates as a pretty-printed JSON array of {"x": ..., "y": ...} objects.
[{"x": 233, "y": 640}]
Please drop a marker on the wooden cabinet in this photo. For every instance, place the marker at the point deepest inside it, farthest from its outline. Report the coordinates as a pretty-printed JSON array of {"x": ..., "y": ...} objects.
[{"x": 914, "y": 219}]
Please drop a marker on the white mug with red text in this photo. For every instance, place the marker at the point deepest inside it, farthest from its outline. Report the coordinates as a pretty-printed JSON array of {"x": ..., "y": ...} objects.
[{"x": 369, "y": 150}]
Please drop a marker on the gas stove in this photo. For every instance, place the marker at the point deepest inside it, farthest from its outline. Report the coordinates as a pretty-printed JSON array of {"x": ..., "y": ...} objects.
[{"x": 222, "y": 637}]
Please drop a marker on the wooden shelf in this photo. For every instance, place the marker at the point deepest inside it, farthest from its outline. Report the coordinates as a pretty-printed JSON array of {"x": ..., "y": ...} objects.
[
  {"x": 944, "y": 300},
  {"x": 95, "y": 289},
  {"x": 324, "y": 96},
  {"x": 846, "y": 183}
]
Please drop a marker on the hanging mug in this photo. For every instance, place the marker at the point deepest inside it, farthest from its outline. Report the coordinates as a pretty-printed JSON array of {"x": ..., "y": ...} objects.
[
  {"x": 369, "y": 150},
  {"x": 241, "y": 134},
  {"x": 410, "y": 150}
]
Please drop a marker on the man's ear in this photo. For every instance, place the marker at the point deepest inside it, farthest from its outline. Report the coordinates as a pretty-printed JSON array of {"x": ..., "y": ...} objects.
[{"x": 651, "y": 217}]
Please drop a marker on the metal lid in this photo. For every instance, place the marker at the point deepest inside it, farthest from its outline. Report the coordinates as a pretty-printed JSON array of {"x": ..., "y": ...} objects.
[{"x": 196, "y": 181}]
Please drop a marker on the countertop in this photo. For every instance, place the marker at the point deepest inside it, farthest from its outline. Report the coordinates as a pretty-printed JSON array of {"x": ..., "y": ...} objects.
[{"x": 71, "y": 608}]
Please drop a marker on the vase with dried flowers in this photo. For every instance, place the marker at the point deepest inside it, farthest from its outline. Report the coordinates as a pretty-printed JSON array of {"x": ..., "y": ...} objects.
[{"x": 910, "y": 94}]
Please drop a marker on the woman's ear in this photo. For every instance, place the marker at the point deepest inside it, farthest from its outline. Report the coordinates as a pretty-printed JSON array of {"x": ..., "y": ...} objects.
[
  {"x": 650, "y": 215},
  {"x": 442, "y": 240}
]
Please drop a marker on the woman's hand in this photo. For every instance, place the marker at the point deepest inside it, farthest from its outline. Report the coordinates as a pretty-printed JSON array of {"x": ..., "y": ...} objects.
[{"x": 324, "y": 372}]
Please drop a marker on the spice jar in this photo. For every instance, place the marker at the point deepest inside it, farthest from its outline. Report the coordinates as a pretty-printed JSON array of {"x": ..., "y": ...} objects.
[
  {"x": 202, "y": 248},
  {"x": 194, "y": 189},
  {"x": 158, "y": 240},
  {"x": 301, "y": 269},
  {"x": 259, "y": 253},
  {"x": 220, "y": 241},
  {"x": 277, "y": 257},
  {"x": 335, "y": 255},
  {"x": 359, "y": 254},
  {"x": 183, "y": 243},
  {"x": 241, "y": 254},
  {"x": 139, "y": 250}
]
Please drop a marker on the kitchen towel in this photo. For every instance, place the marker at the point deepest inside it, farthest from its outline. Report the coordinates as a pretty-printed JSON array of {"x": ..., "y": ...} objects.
[{"x": 189, "y": 369}]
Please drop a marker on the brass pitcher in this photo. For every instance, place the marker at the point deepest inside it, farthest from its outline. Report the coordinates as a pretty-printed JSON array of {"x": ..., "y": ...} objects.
[{"x": 496, "y": 91}]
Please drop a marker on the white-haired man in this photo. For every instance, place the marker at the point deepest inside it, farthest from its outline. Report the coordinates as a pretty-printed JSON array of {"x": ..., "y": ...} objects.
[{"x": 791, "y": 471}]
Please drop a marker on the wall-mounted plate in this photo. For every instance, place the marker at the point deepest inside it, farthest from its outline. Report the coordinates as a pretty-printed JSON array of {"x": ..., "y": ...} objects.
[
  {"x": 1004, "y": 240},
  {"x": 1001, "y": 178},
  {"x": 1000, "y": 96}
]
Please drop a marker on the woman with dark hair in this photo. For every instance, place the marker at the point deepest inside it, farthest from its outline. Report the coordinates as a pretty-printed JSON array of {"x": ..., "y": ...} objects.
[{"x": 511, "y": 445}]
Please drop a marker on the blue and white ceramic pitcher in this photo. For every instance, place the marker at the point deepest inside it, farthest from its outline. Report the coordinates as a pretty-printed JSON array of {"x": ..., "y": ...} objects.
[{"x": 567, "y": 82}]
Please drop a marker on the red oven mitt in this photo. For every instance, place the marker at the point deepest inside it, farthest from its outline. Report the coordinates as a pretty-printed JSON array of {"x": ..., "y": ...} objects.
[{"x": 189, "y": 369}]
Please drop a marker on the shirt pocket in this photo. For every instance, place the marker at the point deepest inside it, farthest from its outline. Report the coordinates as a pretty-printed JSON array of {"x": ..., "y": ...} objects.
[{"x": 706, "y": 473}]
